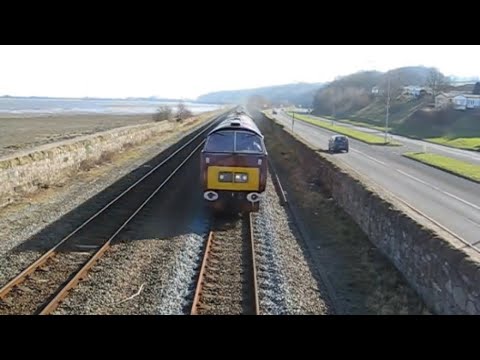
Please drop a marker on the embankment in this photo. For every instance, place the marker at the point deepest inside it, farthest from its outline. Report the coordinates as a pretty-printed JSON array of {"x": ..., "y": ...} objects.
[
  {"x": 26, "y": 172},
  {"x": 442, "y": 270}
]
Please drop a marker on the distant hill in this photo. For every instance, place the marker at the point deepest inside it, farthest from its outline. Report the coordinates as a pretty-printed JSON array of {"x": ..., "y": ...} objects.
[
  {"x": 353, "y": 92},
  {"x": 351, "y": 98},
  {"x": 298, "y": 94}
]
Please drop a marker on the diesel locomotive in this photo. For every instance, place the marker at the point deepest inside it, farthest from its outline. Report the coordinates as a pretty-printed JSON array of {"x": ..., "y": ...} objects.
[{"x": 233, "y": 165}]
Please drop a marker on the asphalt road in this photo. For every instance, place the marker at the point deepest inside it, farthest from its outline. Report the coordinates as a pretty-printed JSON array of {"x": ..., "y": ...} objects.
[
  {"x": 416, "y": 145},
  {"x": 452, "y": 201}
]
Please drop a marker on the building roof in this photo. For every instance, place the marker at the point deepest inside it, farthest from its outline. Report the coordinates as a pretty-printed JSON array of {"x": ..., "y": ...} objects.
[
  {"x": 469, "y": 96},
  {"x": 451, "y": 94},
  {"x": 238, "y": 122}
]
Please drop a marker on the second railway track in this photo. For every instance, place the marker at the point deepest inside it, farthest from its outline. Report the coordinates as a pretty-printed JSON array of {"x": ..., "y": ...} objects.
[
  {"x": 40, "y": 288},
  {"x": 227, "y": 283}
]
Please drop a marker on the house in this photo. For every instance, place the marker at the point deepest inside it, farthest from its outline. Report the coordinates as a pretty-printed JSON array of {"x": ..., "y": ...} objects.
[
  {"x": 459, "y": 101},
  {"x": 473, "y": 101},
  {"x": 466, "y": 101},
  {"x": 443, "y": 100}
]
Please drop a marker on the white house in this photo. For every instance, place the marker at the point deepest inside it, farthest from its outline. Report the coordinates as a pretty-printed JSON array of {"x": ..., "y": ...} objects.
[
  {"x": 466, "y": 101},
  {"x": 459, "y": 102},
  {"x": 445, "y": 99},
  {"x": 473, "y": 101}
]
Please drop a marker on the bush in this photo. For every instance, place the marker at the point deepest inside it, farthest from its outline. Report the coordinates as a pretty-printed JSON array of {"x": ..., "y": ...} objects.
[
  {"x": 163, "y": 113},
  {"x": 183, "y": 112}
]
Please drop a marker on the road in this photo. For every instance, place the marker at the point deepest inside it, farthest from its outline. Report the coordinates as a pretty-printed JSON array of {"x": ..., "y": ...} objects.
[
  {"x": 416, "y": 145},
  {"x": 452, "y": 201}
]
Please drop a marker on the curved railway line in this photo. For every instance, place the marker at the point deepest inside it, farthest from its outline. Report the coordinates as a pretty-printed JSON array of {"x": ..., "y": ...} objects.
[
  {"x": 227, "y": 283},
  {"x": 41, "y": 287}
]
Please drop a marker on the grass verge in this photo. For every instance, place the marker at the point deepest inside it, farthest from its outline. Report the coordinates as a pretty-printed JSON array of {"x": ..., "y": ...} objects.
[
  {"x": 453, "y": 166},
  {"x": 354, "y": 134},
  {"x": 460, "y": 142}
]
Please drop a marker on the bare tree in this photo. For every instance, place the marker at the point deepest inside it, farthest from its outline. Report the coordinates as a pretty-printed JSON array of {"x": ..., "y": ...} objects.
[
  {"x": 163, "y": 113},
  {"x": 183, "y": 112},
  {"x": 437, "y": 82}
]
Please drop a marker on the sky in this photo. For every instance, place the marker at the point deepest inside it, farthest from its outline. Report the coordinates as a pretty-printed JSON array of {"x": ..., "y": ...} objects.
[{"x": 187, "y": 71}]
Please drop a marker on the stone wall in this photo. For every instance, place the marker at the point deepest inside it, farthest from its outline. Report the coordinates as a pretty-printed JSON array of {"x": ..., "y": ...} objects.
[
  {"x": 50, "y": 164},
  {"x": 444, "y": 271}
]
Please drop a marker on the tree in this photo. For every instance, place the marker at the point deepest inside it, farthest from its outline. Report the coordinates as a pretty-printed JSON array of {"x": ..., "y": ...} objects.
[
  {"x": 183, "y": 112},
  {"x": 437, "y": 82},
  {"x": 476, "y": 89},
  {"x": 163, "y": 113}
]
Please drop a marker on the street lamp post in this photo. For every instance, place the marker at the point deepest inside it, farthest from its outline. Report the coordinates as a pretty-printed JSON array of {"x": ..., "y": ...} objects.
[
  {"x": 293, "y": 119},
  {"x": 334, "y": 113},
  {"x": 388, "y": 110}
]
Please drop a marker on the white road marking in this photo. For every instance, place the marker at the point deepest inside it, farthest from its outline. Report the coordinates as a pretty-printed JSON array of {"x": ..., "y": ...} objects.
[
  {"x": 370, "y": 157},
  {"x": 473, "y": 222},
  {"x": 440, "y": 190}
]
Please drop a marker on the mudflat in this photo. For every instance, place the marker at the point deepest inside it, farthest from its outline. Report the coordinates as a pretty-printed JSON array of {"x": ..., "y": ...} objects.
[{"x": 26, "y": 132}]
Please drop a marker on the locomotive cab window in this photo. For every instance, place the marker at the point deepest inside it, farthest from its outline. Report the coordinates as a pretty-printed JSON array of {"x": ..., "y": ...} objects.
[
  {"x": 222, "y": 141},
  {"x": 234, "y": 141},
  {"x": 247, "y": 142}
]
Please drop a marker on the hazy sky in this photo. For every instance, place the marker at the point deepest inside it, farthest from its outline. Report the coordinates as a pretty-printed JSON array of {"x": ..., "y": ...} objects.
[{"x": 181, "y": 71}]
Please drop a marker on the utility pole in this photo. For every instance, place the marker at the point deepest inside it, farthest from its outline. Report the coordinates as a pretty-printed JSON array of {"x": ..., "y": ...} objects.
[
  {"x": 293, "y": 119},
  {"x": 334, "y": 113},
  {"x": 388, "y": 109}
]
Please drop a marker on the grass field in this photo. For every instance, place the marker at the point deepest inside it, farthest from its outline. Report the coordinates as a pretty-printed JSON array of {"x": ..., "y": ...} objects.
[{"x": 460, "y": 168}]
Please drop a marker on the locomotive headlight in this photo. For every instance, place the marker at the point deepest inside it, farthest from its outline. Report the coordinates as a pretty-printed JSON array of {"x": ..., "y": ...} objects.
[
  {"x": 225, "y": 177},
  {"x": 241, "y": 177}
]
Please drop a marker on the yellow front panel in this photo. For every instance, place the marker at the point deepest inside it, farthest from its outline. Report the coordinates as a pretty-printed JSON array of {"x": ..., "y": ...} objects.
[{"x": 251, "y": 185}]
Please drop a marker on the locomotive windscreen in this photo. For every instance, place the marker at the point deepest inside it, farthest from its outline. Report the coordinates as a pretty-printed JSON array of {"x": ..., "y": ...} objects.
[{"x": 234, "y": 141}]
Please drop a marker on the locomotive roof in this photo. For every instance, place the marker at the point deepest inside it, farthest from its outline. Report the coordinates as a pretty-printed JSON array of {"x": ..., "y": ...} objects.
[{"x": 238, "y": 122}]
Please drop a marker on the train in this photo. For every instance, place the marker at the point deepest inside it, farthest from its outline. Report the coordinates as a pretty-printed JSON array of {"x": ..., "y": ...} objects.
[{"x": 233, "y": 165}]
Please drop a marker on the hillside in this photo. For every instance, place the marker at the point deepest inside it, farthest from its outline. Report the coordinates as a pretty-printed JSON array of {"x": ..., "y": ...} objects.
[
  {"x": 351, "y": 98},
  {"x": 351, "y": 93},
  {"x": 298, "y": 94}
]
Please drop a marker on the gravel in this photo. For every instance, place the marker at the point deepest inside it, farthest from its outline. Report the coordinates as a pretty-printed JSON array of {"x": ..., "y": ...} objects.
[
  {"x": 174, "y": 297},
  {"x": 29, "y": 227},
  {"x": 151, "y": 269},
  {"x": 285, "y": 279},
  {"x": 158, "y": 270}
]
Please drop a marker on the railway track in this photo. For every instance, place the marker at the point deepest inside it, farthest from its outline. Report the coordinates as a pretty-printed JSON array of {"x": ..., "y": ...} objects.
[
  {"x": 227, "y": 283},
  {"x": 41, "y": 287}
]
